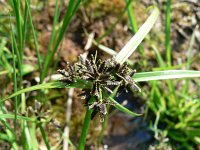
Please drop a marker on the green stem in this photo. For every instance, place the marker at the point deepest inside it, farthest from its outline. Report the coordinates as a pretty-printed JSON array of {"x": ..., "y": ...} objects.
[
  {"x": 168, "y": 50},
  {"x": 15, "y": 82},
  {"x": 85, "y": 128},
  {"x": 167, "y": 32},
  {"x": 34, "y": 37},
  {"x": 19, "y": 27},
  {"x": 44, "y": 136}
]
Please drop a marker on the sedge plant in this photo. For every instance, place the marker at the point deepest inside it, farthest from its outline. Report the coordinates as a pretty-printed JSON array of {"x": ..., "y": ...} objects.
[{"x": 130, "y": 81}]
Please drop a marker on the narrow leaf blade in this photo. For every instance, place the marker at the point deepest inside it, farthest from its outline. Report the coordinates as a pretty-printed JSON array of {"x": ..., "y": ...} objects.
[{"x": 164, "y": 75}]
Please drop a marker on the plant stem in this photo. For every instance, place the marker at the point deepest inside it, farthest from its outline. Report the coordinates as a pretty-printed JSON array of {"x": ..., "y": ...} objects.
[
  {"x": 44, "y": 136},
  {"x": 167, "y": 32},
  {"x": 39, "y": 60},
  {"x": 15, "y": 82},
  {"x": 85, "y": 129}
]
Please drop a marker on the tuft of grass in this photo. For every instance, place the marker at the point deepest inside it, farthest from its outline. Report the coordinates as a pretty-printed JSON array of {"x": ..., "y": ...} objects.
[{"x": 72, "y": 8}]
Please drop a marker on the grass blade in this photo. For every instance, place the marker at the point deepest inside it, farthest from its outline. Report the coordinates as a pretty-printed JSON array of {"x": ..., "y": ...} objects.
[
  {"x": 189, "y": 57},
  {"x": 78, "y": 84},
  {"x": 24, "y": 28},
  {"x": 36, "y": 87},
  {"x": 14, "y": 80},
  {"x": 123, "y": 109},
  {"x": 44, "y": 136},
  {"x": 159, "y": 57},
  {"x": 134, "y": 26},
  {"x": 133, "y": 43},
  {"x": 11, "y": 116},
  {"x": 19, "y": 26},
  {"x": 167, "y": 33},
  {"x": 34, "y": 37},
  {"x": 164, "y": 75}
]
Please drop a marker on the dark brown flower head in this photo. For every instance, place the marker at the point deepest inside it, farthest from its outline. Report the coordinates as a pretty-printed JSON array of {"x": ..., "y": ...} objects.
[{"x": 104, "y": 75}]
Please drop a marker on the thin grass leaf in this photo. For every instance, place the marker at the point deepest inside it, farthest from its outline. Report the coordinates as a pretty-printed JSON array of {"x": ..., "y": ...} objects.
[
  {"x": 55, "y": 20},
  {"x": 165, "y": 75},
  {"x": 158, "y": 57},
  {"x": 19, "y": 26},
  {"x": 24, "y": 27},
  {"x": 133, "y": 43},
  {"x": 23, "y": 101},
  {"x": 189, "y": 57},
  {"x": 109, "y": 50},
  {"x": 39, "y": 60},
  {"x": 19, "y": 60},
  {"x": 176, "y": 67},
  {"x": 167, "y": 33},
  {"x": 134, "y": 26},
  {"x": 36, "y": 87},
  {"x": 78, "y": 84},
  {"x": 11, "y": 116},
  {"x": 168, "y": 46},
  {"x": 105, "y": 49},
  {"x": 123, "y": 109},
  {"x": 26, "y": 138},
  {"x": 156, "y": 102},
  {"x": 14, "y": 80},
  {"x": 44, "y": 137},
  {"x": 163, "y": 65},
  {"x": 33, "y": 135}
]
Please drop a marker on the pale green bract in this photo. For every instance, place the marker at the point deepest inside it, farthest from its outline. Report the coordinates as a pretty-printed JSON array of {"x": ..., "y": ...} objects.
[{"x": 133, "y": 43}]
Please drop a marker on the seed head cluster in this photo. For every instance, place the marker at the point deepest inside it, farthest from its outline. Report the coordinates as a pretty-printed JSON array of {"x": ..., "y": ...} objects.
[{"x": 104, "y": 76}]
